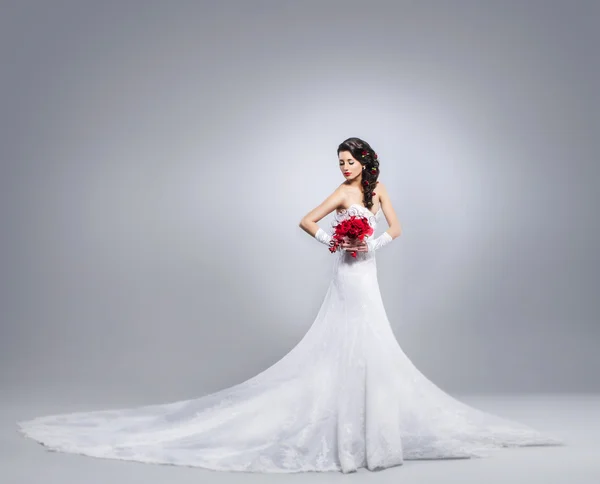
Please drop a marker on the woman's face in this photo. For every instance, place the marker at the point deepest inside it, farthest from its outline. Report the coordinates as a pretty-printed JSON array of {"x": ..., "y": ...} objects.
[{"x": 349, "y": 166}]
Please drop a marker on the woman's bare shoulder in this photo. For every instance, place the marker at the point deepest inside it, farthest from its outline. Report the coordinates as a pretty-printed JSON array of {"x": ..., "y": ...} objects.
[{"x": 381, "y": 187}]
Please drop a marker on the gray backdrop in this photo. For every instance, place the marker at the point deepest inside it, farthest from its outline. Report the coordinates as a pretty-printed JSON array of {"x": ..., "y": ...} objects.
[{"x": 157, "y": 157}]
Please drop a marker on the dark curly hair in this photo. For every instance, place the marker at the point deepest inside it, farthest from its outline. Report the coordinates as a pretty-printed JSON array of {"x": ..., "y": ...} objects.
[{"x": 362, "y": 151}]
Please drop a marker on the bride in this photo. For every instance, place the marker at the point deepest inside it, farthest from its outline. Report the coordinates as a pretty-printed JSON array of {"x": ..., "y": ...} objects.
[{"x": 345, "y": 397}]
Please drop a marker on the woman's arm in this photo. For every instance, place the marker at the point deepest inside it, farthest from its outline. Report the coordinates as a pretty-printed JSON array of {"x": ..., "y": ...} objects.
[
  {"x": 395, "y": 229},
  {"x": 332, "y": 202}
]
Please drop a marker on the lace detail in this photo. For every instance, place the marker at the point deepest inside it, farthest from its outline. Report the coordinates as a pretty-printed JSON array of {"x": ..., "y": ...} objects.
[
  {"x": 357, "y": 210},
  {"x": 345, "y": 397}
]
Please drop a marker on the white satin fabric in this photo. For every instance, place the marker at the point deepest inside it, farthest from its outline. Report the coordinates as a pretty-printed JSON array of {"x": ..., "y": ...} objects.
[{"x": 346, "y": 396}]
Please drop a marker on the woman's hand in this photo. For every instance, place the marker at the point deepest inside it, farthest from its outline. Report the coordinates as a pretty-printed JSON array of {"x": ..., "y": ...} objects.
[{"x": 351, "y": 245}]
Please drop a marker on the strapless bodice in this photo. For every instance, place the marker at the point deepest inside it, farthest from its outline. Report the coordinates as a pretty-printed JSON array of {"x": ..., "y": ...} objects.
[{"x": 357, "y": 209}]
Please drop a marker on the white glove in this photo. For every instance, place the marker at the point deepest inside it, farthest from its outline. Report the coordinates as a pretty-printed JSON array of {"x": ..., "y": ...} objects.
[
  {"x": 323, "y": 236},
  {"x": 378, "y": 242}
]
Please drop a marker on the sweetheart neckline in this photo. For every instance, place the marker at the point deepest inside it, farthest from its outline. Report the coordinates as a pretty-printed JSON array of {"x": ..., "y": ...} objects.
[{"x": 361, "y": 206}]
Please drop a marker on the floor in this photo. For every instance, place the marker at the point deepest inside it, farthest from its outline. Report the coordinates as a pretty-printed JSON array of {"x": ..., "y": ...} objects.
[{"x": 575, "y": 418}]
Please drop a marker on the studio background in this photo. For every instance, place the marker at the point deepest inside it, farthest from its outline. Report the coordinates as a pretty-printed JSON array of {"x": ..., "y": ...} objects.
[{"x": 157, "y": 157}]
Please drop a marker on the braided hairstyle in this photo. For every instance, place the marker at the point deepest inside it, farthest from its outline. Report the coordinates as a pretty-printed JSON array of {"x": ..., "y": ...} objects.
[{"x": 362, "y": 151}]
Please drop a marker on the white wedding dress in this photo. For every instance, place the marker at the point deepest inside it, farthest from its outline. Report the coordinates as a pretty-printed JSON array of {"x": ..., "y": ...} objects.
[{"x": 345, "y": 397}]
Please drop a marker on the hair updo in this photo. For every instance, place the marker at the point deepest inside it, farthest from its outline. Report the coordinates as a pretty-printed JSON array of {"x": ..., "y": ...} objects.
[{"x": 362, "y": 151}]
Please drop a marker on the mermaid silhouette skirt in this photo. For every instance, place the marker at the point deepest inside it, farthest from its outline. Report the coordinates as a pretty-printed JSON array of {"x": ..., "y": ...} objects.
[{"x": 345, "y": 397}]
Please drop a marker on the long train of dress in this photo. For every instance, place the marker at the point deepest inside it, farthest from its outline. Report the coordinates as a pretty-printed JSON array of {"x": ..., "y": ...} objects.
[{"x": 345, "y": 397}]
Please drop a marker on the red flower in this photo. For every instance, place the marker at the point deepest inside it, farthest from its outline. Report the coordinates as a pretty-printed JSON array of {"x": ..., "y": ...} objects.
[{"x": 353, "y": 228}]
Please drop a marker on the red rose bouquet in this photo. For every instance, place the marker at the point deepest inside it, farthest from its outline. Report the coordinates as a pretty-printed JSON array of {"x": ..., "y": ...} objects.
[{"x": 353, "y": 228}]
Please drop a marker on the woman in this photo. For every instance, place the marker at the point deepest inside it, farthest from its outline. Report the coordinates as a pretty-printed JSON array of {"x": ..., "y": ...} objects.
[{"x": 346, "y": 396}]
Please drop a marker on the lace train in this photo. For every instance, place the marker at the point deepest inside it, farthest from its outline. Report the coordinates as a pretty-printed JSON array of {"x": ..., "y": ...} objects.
[{"x": 346, "y": 396}]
